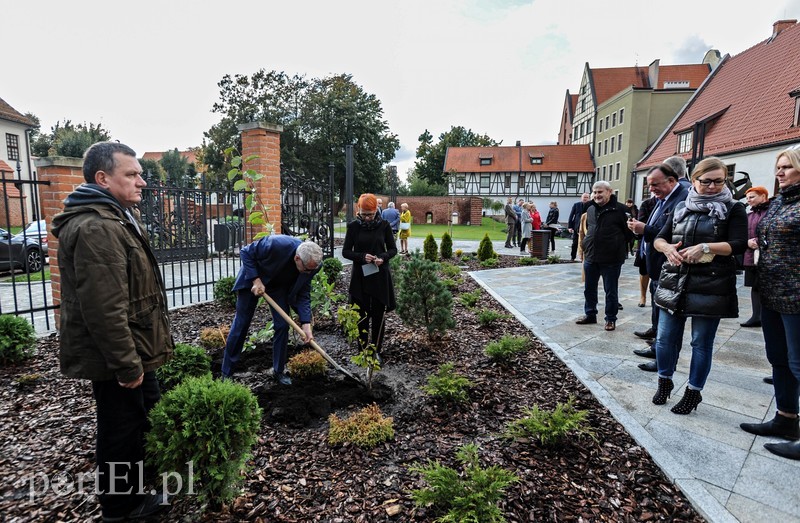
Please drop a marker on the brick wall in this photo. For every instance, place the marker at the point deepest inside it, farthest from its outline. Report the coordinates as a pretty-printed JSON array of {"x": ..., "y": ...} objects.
[
  {"x": 469, "y": 208},
  {"x": 264, "y": 140}
]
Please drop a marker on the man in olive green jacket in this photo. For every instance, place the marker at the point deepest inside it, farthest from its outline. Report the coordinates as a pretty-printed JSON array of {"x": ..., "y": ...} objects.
[{"x": 114, "y": 327}]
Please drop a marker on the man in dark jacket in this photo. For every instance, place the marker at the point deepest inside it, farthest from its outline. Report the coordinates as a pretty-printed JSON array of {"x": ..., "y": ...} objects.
[
  {"x": 281, "y": 267},
  {"x": 574, "y": 222},
  {"x": 665, "y": 185},
  {"x": 550, "y": 222},
  {"x": 392, "y": 215},
  {"x": 604, "y": 252},
  {"x": 114, "y": 325},
  {"x": 511, "y": 222}
]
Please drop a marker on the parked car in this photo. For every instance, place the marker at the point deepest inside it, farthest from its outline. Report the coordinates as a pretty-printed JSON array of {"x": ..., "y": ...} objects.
[
  {"x": 17, "y": 252},
  {"x": 36, "y": 231}
]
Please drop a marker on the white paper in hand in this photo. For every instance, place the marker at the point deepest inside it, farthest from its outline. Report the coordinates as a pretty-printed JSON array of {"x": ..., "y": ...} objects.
[{"x": 369, "y": 269}]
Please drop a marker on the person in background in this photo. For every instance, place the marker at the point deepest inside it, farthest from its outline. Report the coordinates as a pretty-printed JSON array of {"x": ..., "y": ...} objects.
[
  {"x": 369, "y": 244},
  {"x": 779, "y": 285},
  {"x": 281, "y": 267},
  {"x": 551, "y": 221},
  {"x": 114, "y": 328},
  {"x": 405, "y": 227},
  {"x": 518, "y": 223},
  {"x": 536, "y": 218},
  {"x": 698, "y": 280},
  {"x": 633, "y": 212},
  {"x": 380, "y": 207},
  {"x": 573, "y": 224},
  {"x": 511, "y": 222},
  {"x": 392, "y": 216},
  {"x": 758, "y": 200},
  {"x": 527, "y": 220},
  {"x": 604, "y": 251},
  {"x": 644, "y": 279}
]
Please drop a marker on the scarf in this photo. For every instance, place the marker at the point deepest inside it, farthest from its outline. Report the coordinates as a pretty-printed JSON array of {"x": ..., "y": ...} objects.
[
  {"x": 713, "y": 204},
  {"x": 371, "y": 224}
]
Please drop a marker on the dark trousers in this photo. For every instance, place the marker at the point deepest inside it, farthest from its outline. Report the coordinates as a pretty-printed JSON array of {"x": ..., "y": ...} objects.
[
  {"x": 121, "y": 426},
  {"x": 552, "y": 239},
  {"x": 246, "y": 303},
  {"x": 610, "y": 274},
  {"x": 510, "y": 236},
  {"x": 574, "y": 252},
  {"x": 518, "y": 231},
  {"x": 371, "y": 323},
  {"x": 782, "y": 341},
  {"x": 654, "y": 309}
]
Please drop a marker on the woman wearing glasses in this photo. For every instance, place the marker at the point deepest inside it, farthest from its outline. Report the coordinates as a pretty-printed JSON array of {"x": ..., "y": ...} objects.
[
  {"x": 779, "y": 286},
  {"x": 369, "y": 243},
  {"x": 698, "y": 280}
]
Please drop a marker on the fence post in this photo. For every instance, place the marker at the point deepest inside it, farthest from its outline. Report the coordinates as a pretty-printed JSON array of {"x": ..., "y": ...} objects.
[
  {"x": 65, "y": 175},
  {"x": 264, "y": 140}
]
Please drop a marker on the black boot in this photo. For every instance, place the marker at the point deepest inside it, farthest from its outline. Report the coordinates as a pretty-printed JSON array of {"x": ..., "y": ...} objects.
[
  {"x": 665, "y": 387},
  {"x": 689, "y": 402},
  {"x": 779, "y": 427},
  {"x": 784, "y": 450}
]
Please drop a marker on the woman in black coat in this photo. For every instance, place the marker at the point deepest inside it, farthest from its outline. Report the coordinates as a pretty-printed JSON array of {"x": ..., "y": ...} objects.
[{"x": 370, "y": 244}]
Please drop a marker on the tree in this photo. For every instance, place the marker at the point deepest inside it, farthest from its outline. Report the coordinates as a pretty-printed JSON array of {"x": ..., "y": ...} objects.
[
  {"x": 430, "y": 156},
  {"x": 152, "y": 171},
  {"x": 68, "y": 139},
  {"x": 418, "y": 186},
  {"x": 179, "y": 172}
]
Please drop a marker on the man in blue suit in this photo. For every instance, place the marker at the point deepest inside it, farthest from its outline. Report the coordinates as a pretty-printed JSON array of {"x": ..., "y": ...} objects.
[
  {"x": 282, "y": 267},
  {"x": 663, "y": 182}
]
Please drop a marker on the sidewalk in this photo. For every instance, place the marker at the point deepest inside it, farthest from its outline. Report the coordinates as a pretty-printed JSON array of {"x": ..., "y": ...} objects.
[{"x": 724, "y": 471}]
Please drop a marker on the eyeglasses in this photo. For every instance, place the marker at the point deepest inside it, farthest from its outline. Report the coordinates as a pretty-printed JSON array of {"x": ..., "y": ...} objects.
[
  {"x": 366, "y": 216},
  {"x": 717, "y": 181},
  {"x": 303, "y": 265}
]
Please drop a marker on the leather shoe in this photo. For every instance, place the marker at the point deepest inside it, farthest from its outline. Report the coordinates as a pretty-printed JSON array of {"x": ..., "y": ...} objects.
[
  {"x": 751, "y": 323},
  {"x": 785, "y": 450},
  {"x": 650, "y": 366},
  {"x": 586, "y": 320},
  {"x": 610, "y": 326},
  {"x": 645, "y": 353},
  {"x": 619, "y": 306},
  {"x": 648, "y": 334},
  {"x": 151, "y": 505},
  {"x": 778, "y": 427},
  {"x": 283, "y": 379}
]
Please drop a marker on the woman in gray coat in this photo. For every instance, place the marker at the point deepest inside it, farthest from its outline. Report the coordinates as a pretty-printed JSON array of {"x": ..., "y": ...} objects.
[{"x": 527, "y": 220}]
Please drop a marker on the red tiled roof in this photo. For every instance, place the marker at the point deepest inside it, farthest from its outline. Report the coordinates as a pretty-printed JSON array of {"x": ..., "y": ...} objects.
[
  {"x": 608, "y": 82},
  {"x": 189, "y": 155},
  {"x": 565, "y": 158},
  {"x": 4, "y": 168},
  {"x": 573, "y": 102},
  {"x": 759, "y": 115},
  {"x": 9, "y": 113}
]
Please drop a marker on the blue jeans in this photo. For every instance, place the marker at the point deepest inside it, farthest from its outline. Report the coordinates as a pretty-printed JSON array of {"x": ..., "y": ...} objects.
[
  {"x": 670, "y": 339},
  {"x": 610, "y": 274},
  {"x": 782, "y": 341}
]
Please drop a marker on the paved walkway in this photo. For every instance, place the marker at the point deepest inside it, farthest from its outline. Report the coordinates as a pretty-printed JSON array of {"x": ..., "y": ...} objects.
[{"x": 724, "y": 471}]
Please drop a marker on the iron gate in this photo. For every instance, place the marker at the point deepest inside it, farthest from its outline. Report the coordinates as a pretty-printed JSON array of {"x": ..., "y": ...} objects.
[{"x": 307, "y": 209}]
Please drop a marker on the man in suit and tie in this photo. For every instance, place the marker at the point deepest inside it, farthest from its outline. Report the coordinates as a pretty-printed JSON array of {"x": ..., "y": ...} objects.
[
  {"x": 282, "y": 267},
  {"x": 574, "y": 222},
  {"x": 663, "y": 182}
]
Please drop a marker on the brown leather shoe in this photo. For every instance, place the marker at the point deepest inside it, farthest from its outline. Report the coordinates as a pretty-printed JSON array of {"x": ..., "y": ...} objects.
[
  {"x": 610, "y": 325},
  {"x": 586, "y": 320}
]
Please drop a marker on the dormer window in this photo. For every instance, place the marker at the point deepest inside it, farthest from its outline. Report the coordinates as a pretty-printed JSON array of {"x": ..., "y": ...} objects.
[
  {"x": 796, "y": 96},
  {"x": 485, "y": 159},
  {"x": 685, "y": 142},
  {"x": 536, "y": 160}
]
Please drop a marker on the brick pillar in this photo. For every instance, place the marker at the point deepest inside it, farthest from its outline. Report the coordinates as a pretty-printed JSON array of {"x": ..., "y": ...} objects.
[
  {"x": 476, "y": 210},
  {"x": 264, "y": 140},
  {"x": 64, "y": 175}
]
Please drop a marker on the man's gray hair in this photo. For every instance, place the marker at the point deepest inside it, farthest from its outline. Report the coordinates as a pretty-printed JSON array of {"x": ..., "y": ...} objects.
[
  {"x": 100, "y": 157},
  {"x": 602, "y": 183},
  {"x": 308, "y": 252},
  {"x": 677, "y": 164},
  {"x": 391, "y": 205}
]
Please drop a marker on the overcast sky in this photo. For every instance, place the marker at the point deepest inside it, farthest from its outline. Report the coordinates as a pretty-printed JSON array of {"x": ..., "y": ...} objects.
[{"x": 148, "y": 70}]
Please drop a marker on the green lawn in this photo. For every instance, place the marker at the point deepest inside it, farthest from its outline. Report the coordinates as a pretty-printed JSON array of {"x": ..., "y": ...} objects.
[
  {"x": 23, "y": 278},
  {"x": 496, "y": 230}
]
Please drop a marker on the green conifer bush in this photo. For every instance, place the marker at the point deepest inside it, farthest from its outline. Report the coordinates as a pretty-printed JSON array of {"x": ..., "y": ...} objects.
[
  {"x": 423, "y": 300},
  {"x": 485, "y": 249},
  {"x": 17, "y": 339},
  {"x": 429, "y": 248},
  {"x": 446, "y": 248}
]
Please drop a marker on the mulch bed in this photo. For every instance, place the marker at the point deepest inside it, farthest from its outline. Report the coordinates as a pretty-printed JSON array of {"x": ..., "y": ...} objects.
[{"x": 48, "y": 428}]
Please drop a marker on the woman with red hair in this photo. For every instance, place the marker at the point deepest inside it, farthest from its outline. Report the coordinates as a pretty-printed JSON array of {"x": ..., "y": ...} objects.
[
  {"x": 758, "y": 200},
  {"x": 369, "y": 243}
]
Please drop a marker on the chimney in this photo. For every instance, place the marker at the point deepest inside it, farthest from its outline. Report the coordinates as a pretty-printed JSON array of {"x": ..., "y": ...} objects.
[
  {"x": 519, "y": 143},
  {"x": 780, "y": 25},
  {"x": 652, "y": 73}
]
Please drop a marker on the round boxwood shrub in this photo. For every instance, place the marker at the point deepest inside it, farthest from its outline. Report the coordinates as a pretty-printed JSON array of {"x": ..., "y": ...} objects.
[
  {"x": 17, "y": 339},
  {"x": 211, "y": 425},
  {"x": 429, "y": 248},
  {"x": 187, "y": 361},
  {"x": 223, "y": 291},
  {"x": 485, "y": 249},
  {"x": 332, "y": 267}
]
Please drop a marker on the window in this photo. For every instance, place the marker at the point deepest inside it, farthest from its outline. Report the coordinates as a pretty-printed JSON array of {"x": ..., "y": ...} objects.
[
  {"x": 604, "y": 173},
  {"x": 461, "y": 181},
  {"x": 583, "y": 132},
  {"x": 486, "y": 161},
  {"x": 536, "y": 161},
  {"x": 588, "y": 126},
  {"x": 572, "y": 181},
  {"x": 614, "y": 120},
  {"x": 612, "y": 143},
  {"x": 484, "y": 181},
  {"x": 621, "y": 115},
  {"x": 616, "y": 176},
  {"x": 605, "y": 146},
  {"x": 796, "y": 111},
  {"x": 508, "y": 181},
  {"x": 598, "y": 174},
  {"x": 12, "y": 144},
  {"x": 601, "y": 125},
  {"x": 521, "y": 181},
  {"x": 607, "y": 126},
  {"x": 685, "y": 142},
  {"x": 619, "y": 142},
  {"x": 546, "y": 181}
]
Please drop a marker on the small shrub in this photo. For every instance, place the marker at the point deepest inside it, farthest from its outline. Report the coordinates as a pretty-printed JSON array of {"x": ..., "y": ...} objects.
[
  {"x": 448, "y": 385},
  {"x": 366, "y": 428},
  {"x": 446, "y": 248},
  {"x": 332, "y": 267},
  {"x": 459, "y": 253},
  {"x": 507, "y": 347},
  {"x": 525, "y": 260},
  {"x": 550, "y": 427},
  {"x": 223, "y": 291},
  {"x": 187, "y": 361},
  {"x": 26, "y": 380},
  {"x": 210, "y": 424},
  {"x": 449, "y": 270},
  {"x": 452, "y": 284},
  {"x": 468, "y": 496},
  {"x": 422, "y": 299},
  {"x": 470, "y": 299},
  {"x": 259, "y": 337},
  {"x": 307, "y": 364},
  {"x": 17, "y": 339},
  {"x": 487, "y": 316},
  {"x": 485, "y": 249},
  {"x": 491, "y": 262},
  {"x": 323, "y": 295},
  {"x": 214, "y": 337},
  {"x": 553, "y": 258},
  {"x": 429, "y": 248}
]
